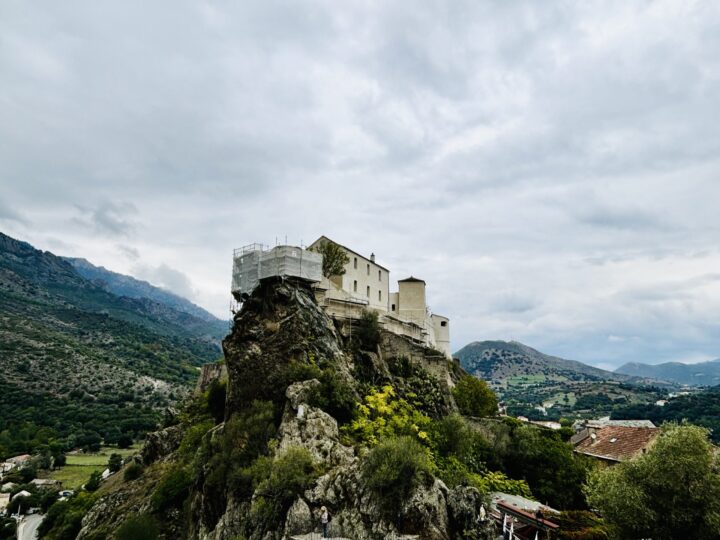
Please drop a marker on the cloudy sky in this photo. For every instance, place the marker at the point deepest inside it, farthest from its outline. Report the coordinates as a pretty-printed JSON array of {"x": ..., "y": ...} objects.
[{"x": 552, "y": 169}]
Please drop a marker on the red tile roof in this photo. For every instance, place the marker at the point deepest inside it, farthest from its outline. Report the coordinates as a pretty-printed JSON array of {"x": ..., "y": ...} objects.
[{"x": 617, "y": 443}]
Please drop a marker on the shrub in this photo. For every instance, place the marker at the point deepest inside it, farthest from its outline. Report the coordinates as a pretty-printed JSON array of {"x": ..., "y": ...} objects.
[
  {"x": 94, "y": 482},
  {"x": 280, "y": 480},
  {"x": 171, "y": 490},
  {"x": 133, "y": 471},
  {"x": 395, "y": 467},
  {"x": 216, "y": 394},
  {"x": 384, "y": 415},
  {"x": 138, "y": 528},
  {"x": 367, "y": 332},
  {"x": 474, "y": 397},
  {"x": 335, "y": 396},
  {"x": 115, "y": 462}
]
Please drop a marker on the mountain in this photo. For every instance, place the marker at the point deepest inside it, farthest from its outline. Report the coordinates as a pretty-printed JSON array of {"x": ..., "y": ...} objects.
[
  {"x": 127, "y": 286},
  {"x": 502, "y": 360},
  {"x": 544, "y": 387},
  {"x": 701, "y": 374},
  {"x": 81, "y": 363}
]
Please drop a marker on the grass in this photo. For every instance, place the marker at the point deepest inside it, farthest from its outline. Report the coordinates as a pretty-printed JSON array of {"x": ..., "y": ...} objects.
[{"x": 80, "y": 466}]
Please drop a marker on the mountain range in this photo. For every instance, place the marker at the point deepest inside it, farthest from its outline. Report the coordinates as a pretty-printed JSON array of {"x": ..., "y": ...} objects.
[
  {"x": 501, "y": 360},
  {"x": 79, "y": 357},
  {"x": 700, "y": 374}
]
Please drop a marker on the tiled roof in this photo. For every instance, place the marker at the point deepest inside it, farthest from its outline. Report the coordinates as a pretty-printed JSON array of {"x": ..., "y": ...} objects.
[{"x": 617, "y": 443}]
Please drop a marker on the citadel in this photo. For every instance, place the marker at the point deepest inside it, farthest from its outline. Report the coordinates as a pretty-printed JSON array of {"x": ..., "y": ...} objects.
[{"x": 364, "y": 285}]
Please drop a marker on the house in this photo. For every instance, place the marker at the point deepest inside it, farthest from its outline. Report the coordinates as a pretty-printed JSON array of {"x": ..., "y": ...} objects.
[
  {"x": 613, "y": 444},
  {"x": 527, "y": 518},
  {"x": 365, "y": 285},
  {"x": 4, "y": 502},
  {"x": 19, "y": 461},
  {"x": 46, "y": 483},
  {"x": 22, "y": 493}
]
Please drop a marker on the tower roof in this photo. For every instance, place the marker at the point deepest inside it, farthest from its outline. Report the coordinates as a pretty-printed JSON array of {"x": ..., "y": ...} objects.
[{"x": 411, "y": 279}]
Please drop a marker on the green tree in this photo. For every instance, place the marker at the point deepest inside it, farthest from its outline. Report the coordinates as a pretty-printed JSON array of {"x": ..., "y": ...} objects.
[
  {"x": 671, "y": 492},
  {"x": 115, "y": 462},
  {"x": 94, "y": 482},
  {"x": 474, "y": 397},
  {"x": 334, "y": 258}
]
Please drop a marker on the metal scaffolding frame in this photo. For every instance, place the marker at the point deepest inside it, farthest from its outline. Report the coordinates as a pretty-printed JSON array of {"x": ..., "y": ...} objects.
[{"x": 255, "y": 262}]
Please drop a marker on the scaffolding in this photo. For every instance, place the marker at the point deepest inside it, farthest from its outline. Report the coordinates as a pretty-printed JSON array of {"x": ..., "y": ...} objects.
[{"x": 255, "y": 262}]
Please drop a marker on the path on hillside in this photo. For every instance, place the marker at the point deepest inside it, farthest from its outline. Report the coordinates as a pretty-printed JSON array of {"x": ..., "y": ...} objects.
[{"x": 27, "y": 528}]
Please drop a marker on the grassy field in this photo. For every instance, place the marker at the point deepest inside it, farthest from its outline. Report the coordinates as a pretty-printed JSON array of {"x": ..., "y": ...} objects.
[{"x": 80, "y": 466}]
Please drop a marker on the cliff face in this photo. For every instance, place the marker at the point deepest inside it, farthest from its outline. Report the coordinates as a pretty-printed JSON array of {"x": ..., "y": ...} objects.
[{"x": 279, "y": 456}]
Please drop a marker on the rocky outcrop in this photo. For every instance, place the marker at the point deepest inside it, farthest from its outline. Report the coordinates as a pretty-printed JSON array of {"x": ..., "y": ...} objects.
[
  {"x": 279, "y": 336},
  {"x": 161, "y": 444}
]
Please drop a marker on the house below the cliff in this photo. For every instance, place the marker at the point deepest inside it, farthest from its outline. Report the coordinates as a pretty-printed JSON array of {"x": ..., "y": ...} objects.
[
  {"x": 611, "y": 444},
  {"x": 364, "y": 285}
]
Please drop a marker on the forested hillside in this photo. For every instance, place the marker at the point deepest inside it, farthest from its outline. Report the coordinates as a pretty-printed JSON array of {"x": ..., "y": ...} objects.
[{"x": 81, "y": 363}]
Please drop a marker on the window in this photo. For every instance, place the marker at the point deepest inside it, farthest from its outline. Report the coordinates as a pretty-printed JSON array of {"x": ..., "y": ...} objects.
[
  {"x": 368, "y": 291},
  {"x": 368, "y": 269},
  {"x": 443, "y": 323},
  {"x": 392, "y": 308},
  {"x": 379, "y": 275},
  {"x": 355, "y": 286},
  {"x": 379, "y": 296},
  {"x": 355, "y": 263}
]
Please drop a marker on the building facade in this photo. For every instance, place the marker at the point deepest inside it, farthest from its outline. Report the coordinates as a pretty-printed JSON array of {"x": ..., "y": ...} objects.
[{"x": 365, "y": 284}]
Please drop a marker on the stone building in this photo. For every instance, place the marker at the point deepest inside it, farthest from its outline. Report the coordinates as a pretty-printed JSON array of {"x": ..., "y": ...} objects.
[{"x": 366, "y": 285}]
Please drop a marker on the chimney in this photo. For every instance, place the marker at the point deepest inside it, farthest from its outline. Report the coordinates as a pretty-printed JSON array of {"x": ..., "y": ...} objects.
[{"x": 372, "y": 257}]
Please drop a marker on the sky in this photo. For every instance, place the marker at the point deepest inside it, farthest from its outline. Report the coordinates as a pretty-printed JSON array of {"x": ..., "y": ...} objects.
[{"x": 551, "y": 169}]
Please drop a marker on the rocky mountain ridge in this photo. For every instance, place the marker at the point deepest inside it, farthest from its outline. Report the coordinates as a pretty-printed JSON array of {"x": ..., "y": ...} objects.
[{"x": 699, "y": 374}]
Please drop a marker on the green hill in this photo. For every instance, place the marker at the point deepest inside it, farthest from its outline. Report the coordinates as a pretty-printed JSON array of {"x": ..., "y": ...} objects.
[{"x": 80, "y": 362}]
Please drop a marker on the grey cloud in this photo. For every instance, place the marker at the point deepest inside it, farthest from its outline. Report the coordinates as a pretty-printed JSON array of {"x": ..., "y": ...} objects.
[
  {"x": 129, "y": 252},
  {"x": 550, "y": 170},
  {"x": 114, "y": 219},
  {"x": 167, "y": 278},
  {"x": 9, "y": 214}
]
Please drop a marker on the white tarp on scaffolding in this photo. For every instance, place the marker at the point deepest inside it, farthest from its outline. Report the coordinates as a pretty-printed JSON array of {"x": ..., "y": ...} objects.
[{"x": 253, "y": 263}]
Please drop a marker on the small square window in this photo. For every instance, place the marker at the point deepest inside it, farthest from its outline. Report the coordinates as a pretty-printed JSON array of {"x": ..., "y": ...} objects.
[{"x": 443, "y": 323}]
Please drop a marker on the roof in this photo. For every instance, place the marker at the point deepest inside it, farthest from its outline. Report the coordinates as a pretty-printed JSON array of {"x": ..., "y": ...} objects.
[
  {"x": 323, "y": 237},
  {"x": 411, "y": 279},
  {"x": 616, "y": 443},
  {"x": 603, "y": 422},
  {"x": 18, "y": 459}
]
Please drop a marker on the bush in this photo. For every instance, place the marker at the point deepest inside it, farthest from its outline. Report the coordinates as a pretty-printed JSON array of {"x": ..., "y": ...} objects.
[
  {"x": 138, "y": 528},
  {"x": 335, "y": 396},
  {"x": 395, "y": 467},
  {"x": 115, "y": 462},
  {"x": 172, "y": 489},
  {"x": 367, "y": 332},
  {"x": 216, "y": 400},
  {"x": 94, "y": 482},
  {"x": 474, "y": 397},
  {"x": 384, "y": 415},
  {"x": 133, "y": 471}
]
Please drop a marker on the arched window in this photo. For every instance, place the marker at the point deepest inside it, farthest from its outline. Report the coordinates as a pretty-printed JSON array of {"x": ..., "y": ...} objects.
[
  {"x": 355, "y": 286},
  {"x": 368, "y": 291}
]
